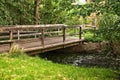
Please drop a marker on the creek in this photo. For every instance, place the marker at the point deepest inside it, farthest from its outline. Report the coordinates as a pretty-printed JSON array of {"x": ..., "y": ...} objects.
[{"x": 86, "y": 59}]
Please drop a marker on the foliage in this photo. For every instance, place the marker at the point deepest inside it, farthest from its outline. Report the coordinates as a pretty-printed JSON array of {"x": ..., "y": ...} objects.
[
  {"x": 92, "y": 36},
  {"x": 112, "y": 7},
  {"x": 14, "y": 12},
  {"x": 34, "y": 68},
  {"x": 73, "y": 20},
  {"x": 54, "y": 11},
  {"x": 109, "y": 26},
  {"x": 105, "y": 6},
  {"x": 50, "y": 12}
]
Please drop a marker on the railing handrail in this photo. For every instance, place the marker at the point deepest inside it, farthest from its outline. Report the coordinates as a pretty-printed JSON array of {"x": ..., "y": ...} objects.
[
  {"x": 22, "y": 27},
  {"x": 41, "y": 29}
]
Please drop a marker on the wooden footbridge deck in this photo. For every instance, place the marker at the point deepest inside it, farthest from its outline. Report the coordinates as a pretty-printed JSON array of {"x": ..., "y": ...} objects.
[{"x": 39, "y": 38}]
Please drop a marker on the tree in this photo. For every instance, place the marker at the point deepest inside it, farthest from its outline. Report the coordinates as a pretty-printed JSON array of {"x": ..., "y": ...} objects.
[{"x": 36, "y": 11}]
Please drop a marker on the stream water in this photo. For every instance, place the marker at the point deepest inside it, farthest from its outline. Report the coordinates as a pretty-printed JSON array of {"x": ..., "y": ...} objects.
[{"x": 84, "y": 59}]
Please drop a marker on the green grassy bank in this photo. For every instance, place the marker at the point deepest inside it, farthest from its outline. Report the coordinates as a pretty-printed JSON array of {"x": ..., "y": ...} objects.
[{"x": 24, "y": 67}]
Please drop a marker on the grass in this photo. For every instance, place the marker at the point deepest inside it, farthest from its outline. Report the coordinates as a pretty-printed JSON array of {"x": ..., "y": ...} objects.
[{"x": 34, "y": 68}]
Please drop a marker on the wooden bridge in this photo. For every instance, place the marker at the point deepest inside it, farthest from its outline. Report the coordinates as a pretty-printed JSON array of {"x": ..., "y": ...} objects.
[{"x": 39, "y": 38}]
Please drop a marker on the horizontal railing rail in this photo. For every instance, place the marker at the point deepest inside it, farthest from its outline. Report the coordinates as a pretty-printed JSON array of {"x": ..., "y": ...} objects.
[{"x": 27, "y": 27}]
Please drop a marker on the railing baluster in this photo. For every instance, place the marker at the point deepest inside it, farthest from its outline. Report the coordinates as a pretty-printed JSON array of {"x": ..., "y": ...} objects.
[
  {"x": 64, "y": 34},
  {"x": 11, "y": 35},
  {"x": 42, "y": 37}
]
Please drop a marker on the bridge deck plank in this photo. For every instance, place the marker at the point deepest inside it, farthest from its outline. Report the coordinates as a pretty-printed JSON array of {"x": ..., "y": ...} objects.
[{"x": 33, "y": 44}]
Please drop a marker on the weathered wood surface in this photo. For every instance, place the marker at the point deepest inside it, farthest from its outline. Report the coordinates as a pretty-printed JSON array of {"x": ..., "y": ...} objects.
[
  {"x": 42, "y": 43},
  {"x": 27, "y": 27},
  {"x": 35, "y": 44},
  {"x": 19, "y": 34}
]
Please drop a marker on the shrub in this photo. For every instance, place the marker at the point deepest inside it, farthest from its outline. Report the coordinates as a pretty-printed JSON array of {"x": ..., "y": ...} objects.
[
  {"x": 92, "y": 36},
  {"x": 109, "y": 27}
]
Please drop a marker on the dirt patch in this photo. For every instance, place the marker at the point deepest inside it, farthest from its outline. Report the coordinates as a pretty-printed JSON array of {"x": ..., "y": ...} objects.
[{"x": 86, "y": 47}]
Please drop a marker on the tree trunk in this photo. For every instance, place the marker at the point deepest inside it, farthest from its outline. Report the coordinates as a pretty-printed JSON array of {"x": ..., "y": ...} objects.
[{"x": 36, "y": 11}]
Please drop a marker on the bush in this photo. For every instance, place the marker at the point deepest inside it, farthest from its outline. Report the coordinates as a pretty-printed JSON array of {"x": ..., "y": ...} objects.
[
  {"x": 109, "y": 27},
  {"x": 92, "y": 36}
]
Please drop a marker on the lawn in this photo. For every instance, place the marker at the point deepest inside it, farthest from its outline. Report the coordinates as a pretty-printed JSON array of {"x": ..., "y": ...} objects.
[{"x": 23, "y": 67}]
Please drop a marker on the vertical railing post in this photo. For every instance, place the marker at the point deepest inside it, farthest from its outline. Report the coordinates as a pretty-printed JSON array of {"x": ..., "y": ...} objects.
[
  {"x": 64, "y": 34},
  {"x": 80, "y": 30},
  {"x": 42, "y": 37},
  {"x": 11, "y": 35},
  {"x": 11, "y": 38},
  {"x": 18, "y": 34}
]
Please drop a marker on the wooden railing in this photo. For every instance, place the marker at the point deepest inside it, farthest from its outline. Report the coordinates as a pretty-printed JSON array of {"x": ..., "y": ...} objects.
[{"x": 11, "y": 34}]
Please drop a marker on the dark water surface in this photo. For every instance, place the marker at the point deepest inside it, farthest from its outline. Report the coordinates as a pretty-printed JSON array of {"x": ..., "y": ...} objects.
[{"x": 84, "y": 59}]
